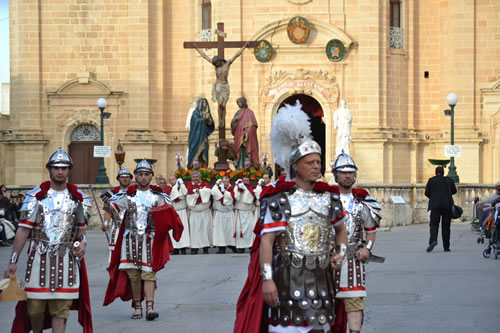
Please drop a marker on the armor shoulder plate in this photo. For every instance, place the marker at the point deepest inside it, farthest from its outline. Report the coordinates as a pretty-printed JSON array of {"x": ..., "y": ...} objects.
[
  {"x": 117, "y": 196},
  {"x": 166, "y": 197},
  {"x": 278, "y": 207},
  {"x": 371, "y": 210},
  {"x": 336, "y": 205},
  {"x": 30, "y": 204}
]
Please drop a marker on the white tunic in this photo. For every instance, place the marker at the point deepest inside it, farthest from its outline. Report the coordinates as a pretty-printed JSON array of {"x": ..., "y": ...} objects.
[
  {"x": 178, "y": 197},
  {"x": 200, "y": 218},
  {"x": 223, "y": 220},
  {"x": 245, "y": 218}
]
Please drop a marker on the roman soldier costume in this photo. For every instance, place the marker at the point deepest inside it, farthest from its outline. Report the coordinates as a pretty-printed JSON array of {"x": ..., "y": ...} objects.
[
  {"x": 143, "y": 242},
  {"x": 117, "y": 218},
  {"x": 303, "y": 221},
  {"x": 52, "y": 271},
  {"x": 363, "y": 216}
]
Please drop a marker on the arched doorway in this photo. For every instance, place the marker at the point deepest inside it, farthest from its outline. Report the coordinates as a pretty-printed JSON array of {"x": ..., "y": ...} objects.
[
  {"x": 318, "y": 127},
  {"x": 81, "y": 149}
]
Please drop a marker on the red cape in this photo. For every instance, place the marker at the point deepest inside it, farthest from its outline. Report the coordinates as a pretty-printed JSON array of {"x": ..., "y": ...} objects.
[
  {"x": 246, "y": 126},
  {"x": 22, "y": 322},
  {"x": 165, "y": 219},
  {"x": 250, "y": 304}
]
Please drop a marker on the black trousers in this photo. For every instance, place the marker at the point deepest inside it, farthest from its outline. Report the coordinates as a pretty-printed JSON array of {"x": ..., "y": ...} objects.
[{"x": 442, "y": 215}]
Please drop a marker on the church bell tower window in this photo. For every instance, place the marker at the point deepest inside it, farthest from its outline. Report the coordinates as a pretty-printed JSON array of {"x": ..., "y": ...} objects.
[
  {"x": 395, "y": 25},
  {"x": 206, "y": 14}
]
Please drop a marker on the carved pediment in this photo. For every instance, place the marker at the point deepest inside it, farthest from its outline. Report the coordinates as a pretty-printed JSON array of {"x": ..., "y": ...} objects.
[{"x": 300, "y": 81}]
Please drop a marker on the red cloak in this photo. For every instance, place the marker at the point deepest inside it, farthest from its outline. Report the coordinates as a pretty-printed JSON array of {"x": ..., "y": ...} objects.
[
  {"x": 245, "y": 131},
  {"x": 166, "y": 219},
  {"x": 251, "y": 306}
]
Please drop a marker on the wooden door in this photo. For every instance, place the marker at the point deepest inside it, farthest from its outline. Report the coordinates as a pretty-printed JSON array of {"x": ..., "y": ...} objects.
[{"x": 85, "y": 165}]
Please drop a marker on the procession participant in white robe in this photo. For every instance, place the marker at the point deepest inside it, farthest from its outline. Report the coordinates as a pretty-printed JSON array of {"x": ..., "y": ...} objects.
[
  {"x": 245, "y": 221},
  {"x": 177, "y": 191},
  {"x": 200, "y": 215},
  {"x": 223, "y": 220},
  {"x": 264, "y": 181}
]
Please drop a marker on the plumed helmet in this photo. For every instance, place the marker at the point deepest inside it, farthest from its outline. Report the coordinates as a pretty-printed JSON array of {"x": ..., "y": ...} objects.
[
  {"x": 144, "y": 165},
  {"x": 306, "y": 147},
  {"x": 59, "y": 159},
  {"x": 124, "y": 172},
  {"x": 344, "y": 163}
]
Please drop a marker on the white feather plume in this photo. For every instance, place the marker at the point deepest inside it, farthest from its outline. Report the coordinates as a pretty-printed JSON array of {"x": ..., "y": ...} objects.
[{"x": 289, "y": 127}]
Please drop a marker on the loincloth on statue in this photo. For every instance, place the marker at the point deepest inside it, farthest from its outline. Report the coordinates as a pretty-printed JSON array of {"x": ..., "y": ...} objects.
[{"x": 220, "y": 92}]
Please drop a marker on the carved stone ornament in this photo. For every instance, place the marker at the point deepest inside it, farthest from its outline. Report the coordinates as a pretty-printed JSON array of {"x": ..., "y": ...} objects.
[
  {"x": 85, "y": 133},
  {"x": 205, "y": 35},
  {"x": 298, "y": 30},
  {"x": 301, "y": 81}
]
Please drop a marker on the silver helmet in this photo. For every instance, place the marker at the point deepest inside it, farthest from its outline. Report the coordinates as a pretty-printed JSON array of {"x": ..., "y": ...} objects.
[
  {"x": 344, "y": 163},
  {"x": 144, "y": 165},
  {"x": 307, "y": 146},
  {"x": 124, "y": 172},
  {"x": 59, "y": 159}
]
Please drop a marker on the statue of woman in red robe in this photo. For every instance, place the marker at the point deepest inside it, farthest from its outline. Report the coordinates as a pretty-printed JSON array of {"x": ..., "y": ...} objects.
[{"x": 244, "y": 129}]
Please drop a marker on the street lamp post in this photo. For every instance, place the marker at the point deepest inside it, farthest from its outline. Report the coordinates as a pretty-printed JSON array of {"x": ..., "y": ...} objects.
[
  {"x": 452, "y": 100},
  {"x": 101, "y": 177}
]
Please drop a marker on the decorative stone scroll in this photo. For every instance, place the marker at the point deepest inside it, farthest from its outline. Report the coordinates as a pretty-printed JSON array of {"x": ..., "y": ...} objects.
[{"x": 85, "y": 133}]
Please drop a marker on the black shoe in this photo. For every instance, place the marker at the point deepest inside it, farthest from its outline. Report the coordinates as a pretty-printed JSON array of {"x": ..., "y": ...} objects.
[
  {"x": 241, "y": 250},
  {"x": 221, "y": 250},
  {"x": 234, "y": 249},
  {"x": 447, "y": 250},
  {"x": 205, "y": 250},
  {"x": 194, "y": 251},
  {"x": 183, "y": 251},
  {"x": 176, "y": 251},
  {"x": 431, "y": 246}
]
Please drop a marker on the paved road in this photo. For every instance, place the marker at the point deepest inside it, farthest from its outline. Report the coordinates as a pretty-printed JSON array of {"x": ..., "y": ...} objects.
[{"x": 413, "y": 291}]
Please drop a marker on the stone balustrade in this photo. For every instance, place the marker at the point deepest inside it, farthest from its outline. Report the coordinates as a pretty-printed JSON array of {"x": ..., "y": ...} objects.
[{"x": 413, "y": 195}]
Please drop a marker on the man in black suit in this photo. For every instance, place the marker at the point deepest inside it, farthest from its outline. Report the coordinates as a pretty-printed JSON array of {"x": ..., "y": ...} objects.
[{"x": 439, "y": 190}]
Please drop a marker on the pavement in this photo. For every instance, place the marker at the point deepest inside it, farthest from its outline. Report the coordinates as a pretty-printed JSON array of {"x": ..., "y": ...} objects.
[{"x": 413, "y": 291}]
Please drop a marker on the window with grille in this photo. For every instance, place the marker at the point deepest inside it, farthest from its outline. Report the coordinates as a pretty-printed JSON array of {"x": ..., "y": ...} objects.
[
  {"x": 395, "y": 26},
  {"x": 206, "y": 14}
]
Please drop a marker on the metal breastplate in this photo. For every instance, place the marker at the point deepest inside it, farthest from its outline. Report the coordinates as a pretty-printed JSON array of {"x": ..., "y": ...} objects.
[
  {"x": 58, "y": 221},
  {"x": 307, "y": 237},
  {"x": 353, "y": 222},
  {"x": 139, "y": 212}
]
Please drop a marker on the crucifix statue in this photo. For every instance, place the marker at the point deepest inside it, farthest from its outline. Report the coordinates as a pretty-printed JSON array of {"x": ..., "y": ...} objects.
[{"x": 220, "y": 89}]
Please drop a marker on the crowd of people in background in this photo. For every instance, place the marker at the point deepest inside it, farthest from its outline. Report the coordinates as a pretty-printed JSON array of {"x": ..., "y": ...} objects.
[
  {"x": 10, "y": 204},
  {"x": 219, "y": 215}
]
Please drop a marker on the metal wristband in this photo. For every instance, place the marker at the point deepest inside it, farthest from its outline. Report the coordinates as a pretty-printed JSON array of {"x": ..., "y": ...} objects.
[
  {"x": 266, "y": 271},
  {"x": 83, "y": 239},
  {"x": 13, "y": 258},
  {"x": 341, "y": 249},
  {"x": 105, "y": 223},
  {"x": 369, "y": 245}
]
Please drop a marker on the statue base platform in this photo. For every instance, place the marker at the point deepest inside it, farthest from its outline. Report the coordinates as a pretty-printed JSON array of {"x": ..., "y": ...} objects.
[{"x": 221, "y": 166}]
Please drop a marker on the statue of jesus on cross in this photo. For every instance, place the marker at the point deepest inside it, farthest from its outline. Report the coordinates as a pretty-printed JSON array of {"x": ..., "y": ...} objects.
[{"x": 220, "y": 88}]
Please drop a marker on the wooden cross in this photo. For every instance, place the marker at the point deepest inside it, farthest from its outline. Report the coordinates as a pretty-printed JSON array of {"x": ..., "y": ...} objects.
[{"x": 220, "y": 44}]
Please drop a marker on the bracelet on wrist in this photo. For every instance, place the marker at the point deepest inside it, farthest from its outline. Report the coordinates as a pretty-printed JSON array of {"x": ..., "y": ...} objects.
[
  {"x": 266, "y": 271},
  {"x": 341, "y": 249},
  {"x": 13, "y": 258},
  {"x": 369, "y": 245},
  {"x": 83, "y": 239}
]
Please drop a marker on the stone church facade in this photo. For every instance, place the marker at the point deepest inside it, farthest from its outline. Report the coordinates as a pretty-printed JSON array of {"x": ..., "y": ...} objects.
[{"x": 400, "y": 60}]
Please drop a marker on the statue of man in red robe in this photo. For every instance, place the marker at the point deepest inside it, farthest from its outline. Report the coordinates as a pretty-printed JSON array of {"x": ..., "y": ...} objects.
[{"x": 244, "y": 129}]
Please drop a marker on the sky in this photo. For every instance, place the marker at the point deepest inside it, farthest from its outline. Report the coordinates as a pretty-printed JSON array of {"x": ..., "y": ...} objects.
[{"x": 4, "y": 43}]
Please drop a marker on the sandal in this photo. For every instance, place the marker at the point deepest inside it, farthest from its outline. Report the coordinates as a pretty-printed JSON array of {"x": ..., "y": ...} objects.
[
  {"x": 137, "y": 306},
  {"x": 150, "y": 313}
]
